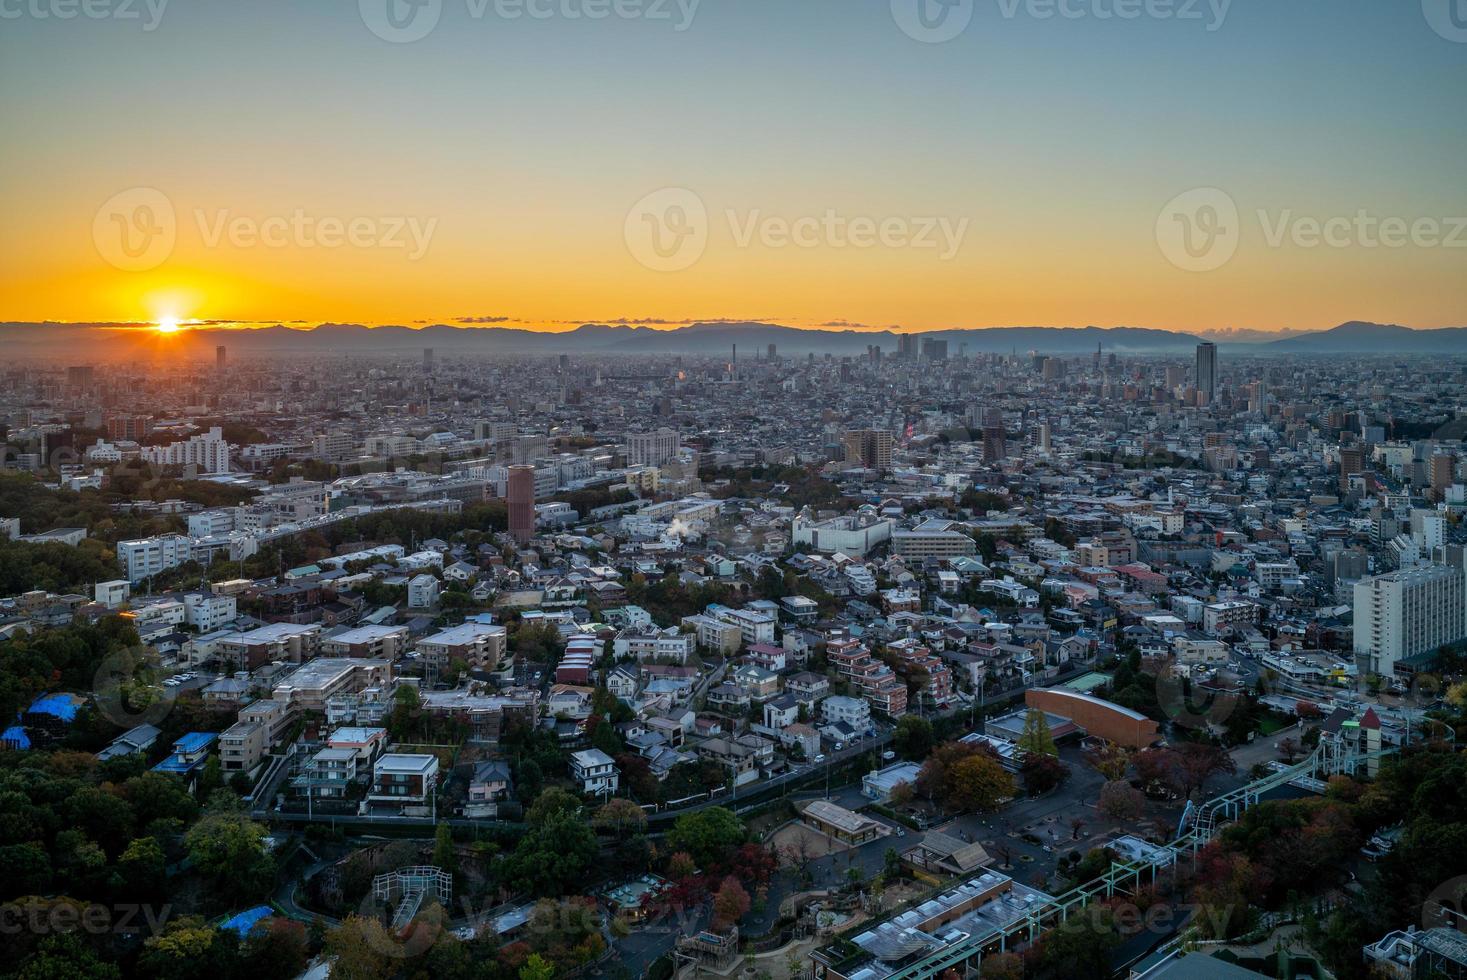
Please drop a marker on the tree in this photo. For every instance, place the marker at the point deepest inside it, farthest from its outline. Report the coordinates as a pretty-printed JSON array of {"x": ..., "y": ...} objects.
[
  {"x": 1036, "y": 738},
  {"x": 621, "y": 817},
  {"x": 361, "y": 949},
  {"x": 978, "y": 783},
  {"x": 1110, "y": 760},
  {"x": 708, "y": 835},
  {"x": 444, "y": 854},
  {"x": 277, "y": 948},
  {"x": 730, "y": 904},
  {"x": 553, "y": 857},
  {"x": 934, "y": 780},
  {"x": 143, "y": 867},
  {"x": 1198, "y": 763},
  {"x": 230, "y": 848},
  {"x": 66, "y": 957},
  {"x": 1043, "y": 773},
  {"x": 1081, "y": 947},
  {"x": 913, "y": 737},
  {"x": 537, "y": 967},
  {"x": 891, "y": 864},
  {"x": 1004, "y": 966},
  {"x": 187, "y": 947},
  {"x": 1121, "y": 801},
  {"x": 553, "y": 802}
]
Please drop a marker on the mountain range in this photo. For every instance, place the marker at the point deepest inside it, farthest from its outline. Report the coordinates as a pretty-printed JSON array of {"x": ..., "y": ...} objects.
[{"x": 697, "y": 339}]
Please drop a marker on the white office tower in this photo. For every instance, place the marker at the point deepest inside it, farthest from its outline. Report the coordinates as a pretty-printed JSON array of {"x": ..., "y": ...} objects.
[
  {"x": 1406, "y": 613},
  {"x": 652, "y": 448}
]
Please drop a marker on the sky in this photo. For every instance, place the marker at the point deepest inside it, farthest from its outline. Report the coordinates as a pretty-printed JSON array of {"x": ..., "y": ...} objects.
[{"x": 1253, "y": 165}]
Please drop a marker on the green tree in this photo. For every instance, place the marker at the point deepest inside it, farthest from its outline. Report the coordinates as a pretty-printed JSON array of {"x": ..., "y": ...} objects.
[
  {"x": 913, "y": 737},
  {"x": 66, "y": 957},
  {"x": 553, "y": 802},
  {"x": 229, "y": 848},
  {"x": 710, "y": 835},
  {"x": 621, "y": 817},
  {"x": 553, "y": 857},
  {"x": 537, "y": 967},
  {"x": 361, "y": 949},
  {"x": 444, "y": 854},
  {"x": 979, "y": 783},
  {"x": 1036, "y": 738}
]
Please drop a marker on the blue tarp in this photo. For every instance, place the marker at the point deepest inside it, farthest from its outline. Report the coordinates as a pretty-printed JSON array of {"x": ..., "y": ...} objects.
[
  {"x": 61, "y": 706},
  {"x": 245, "y": 921},
  {"x": 15, "y": 737}
]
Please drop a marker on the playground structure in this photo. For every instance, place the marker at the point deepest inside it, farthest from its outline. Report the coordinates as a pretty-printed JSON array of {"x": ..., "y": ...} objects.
[
  {"x": 708, "y": 950},
  {"x": 1199, "y": 825},
  {"x": 408, "y": 888}
]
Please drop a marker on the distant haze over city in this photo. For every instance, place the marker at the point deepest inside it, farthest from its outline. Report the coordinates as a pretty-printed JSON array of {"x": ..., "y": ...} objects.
[{"x": 716, "y": 338}]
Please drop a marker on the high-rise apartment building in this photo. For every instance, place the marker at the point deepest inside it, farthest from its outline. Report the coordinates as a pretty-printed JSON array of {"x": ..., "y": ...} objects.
[
  {"x": 221, "y": 358},
  {"x": 1206, "y": 373},
  {"x": 1443, "y": 474},
  {"x": 869, "y": 447},
  {"x": 208, "y": 451},
  {"x": 995, "y": 443},
  {"x": 652, "y": 448},
  {"x": 1352, "y": 461},
  {"x": 520, "y": 494},
  {"x": 427, "y": 359},
  {"x": 1407, "y": 613}
]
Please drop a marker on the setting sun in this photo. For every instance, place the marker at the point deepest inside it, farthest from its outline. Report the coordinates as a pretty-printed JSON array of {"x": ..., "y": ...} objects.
[{"x": 167, "y": 325}]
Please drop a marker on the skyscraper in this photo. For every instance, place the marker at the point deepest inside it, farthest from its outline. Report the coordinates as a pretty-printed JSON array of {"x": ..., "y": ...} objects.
[
  {"x": 221, "y": 358},
  {"x": 520, "y": 495},
  {"x": 995, "y": 443},
  {"x": 1206, "y": 373},
  {"x": 1352, "y": 461},
  {"x": 869, "y": 447},
  {"x": 427, "y": 359}
]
